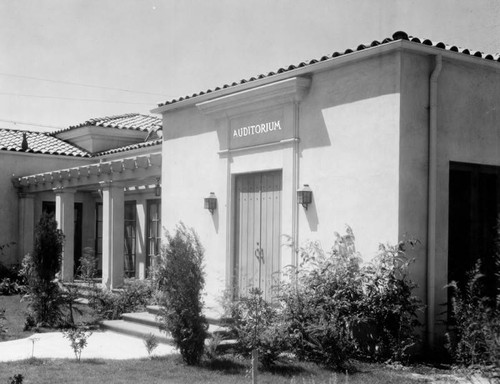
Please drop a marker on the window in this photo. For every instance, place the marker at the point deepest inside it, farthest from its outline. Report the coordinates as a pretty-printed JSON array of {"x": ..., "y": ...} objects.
[
  {"x": 98, "y": 236},
  {"x": 153, "y": 230},
  {"x": 129, "y": 251}
]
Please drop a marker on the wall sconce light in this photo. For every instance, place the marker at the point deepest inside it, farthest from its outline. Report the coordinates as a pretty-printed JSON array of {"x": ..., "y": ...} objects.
[
  {"x": 211, "y": 203},
  {"x": 304, "y": 196},
  {"x": 157, "y": 187}
]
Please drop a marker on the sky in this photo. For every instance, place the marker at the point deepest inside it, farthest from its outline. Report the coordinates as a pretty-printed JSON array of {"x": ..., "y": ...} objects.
[{"x": 66, "y": 61}]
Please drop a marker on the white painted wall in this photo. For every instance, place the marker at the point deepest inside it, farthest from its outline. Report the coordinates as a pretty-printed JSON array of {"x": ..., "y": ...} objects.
[{"x": 21, "y": 164}]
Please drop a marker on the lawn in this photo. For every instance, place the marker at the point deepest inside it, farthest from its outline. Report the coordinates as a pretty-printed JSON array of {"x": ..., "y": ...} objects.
[
  {"x": 15, "y": 317},
  {"x": 171, "y": 370}
]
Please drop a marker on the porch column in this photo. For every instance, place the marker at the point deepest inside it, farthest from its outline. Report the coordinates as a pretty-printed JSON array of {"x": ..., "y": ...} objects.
[
  {"x": 112, "y": 234},
  {"x": 26, "y": 224},
  {"x": 65, "y": 217},
  {"x": 141, "y": 239}
]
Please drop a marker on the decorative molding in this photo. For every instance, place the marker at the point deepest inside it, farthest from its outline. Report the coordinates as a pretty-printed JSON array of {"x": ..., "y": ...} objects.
[
  {"x": 139, "y": 169},
  {"x": 274, "y": 94}
]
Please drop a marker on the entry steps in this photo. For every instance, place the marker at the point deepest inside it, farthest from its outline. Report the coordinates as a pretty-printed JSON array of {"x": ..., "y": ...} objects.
[{"x": 142, "y": 324}]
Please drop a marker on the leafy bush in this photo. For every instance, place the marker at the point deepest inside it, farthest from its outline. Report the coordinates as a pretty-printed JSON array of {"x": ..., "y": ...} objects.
[
  {"x": 151, "y": 343},
  {"x": 180, "y": 277},
  {"x": 39, "y": 271},
  {"x": 78, "y": 337},
  {"x": 256, "y": 324},
  {"x": 133, "y": 298},
  {"x": 474, "y": 336},
  {"x": 332, "y": 308},
  {"x": 388, "y": 308},
  {"x": 16, "y": 379},
  {"x": 88, "y": 265},
  {"x": 9, "y": 287},
  {"x": 321, "y": 303}
]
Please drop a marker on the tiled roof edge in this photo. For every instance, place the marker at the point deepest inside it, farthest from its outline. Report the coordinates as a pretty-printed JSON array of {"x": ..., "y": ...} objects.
[
  {"x": 85, "y": 153},
  {"x": 99, "y": 121},
  {"x": 399, "y": 35},
  {"x": 130, "y": 147}
]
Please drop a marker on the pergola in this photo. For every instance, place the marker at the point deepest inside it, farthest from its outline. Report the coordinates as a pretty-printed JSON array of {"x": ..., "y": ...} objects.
[{"x": 111, "y": 179}]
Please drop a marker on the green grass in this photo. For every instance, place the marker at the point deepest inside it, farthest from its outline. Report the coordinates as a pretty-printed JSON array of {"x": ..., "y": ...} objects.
[
  {"x": 15, "y": 316},
  {"x": 171, "y": 370}
]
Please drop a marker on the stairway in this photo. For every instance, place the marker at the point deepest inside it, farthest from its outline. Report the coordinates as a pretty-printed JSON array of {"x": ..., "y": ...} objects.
[{"x": 141, "y": 324}]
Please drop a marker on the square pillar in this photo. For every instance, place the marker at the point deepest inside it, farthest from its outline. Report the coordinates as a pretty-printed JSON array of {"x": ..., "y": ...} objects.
[
  {"x": 113, "y": 202},
  {"x": 26, "y": 225},
  {"x": 65, "y": 217}
]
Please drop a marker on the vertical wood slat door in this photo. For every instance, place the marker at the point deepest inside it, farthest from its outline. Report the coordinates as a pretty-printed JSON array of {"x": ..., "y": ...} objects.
[{"x": 258, "y": 231}]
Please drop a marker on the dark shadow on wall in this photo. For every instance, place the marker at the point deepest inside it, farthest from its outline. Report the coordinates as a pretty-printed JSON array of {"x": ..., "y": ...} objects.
[
  {"x": 312, "y": 216},
  {"x": 215, "y": 220}
]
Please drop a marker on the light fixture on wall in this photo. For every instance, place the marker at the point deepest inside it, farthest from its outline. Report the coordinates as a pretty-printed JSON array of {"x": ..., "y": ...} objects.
[
  {"x": 304, "y": 196},
  {"x": 211, "y": 203},
  {"x": 157, "y": 187}
]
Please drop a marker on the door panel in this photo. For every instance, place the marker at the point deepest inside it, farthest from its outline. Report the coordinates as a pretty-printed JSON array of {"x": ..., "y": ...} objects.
[{"x": 257, "y": 231}]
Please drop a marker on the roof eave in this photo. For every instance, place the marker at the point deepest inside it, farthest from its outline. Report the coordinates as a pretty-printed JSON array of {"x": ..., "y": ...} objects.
[{"x": 331, "y": 63}]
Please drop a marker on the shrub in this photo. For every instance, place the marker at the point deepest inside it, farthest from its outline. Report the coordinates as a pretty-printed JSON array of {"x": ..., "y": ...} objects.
[
  {"x": 78, "y": 338},
  {"x": 88, "y": 265},
  {"x": 16, "y": 379},
  {"x": 39, "y": 271},
  {"x": 336, "y": 308},
  {"x": 151, "y": 343},
  {"x": 133, "y": 298},
  {"x": 474, "y": 336},
  {"x": 257, "y": 325},
  {"x": 389, "y": 310},
  {"x": 321, "y": 303},
  {"x": 180, "y": 277},
  {"x": 9, "y": 287}
]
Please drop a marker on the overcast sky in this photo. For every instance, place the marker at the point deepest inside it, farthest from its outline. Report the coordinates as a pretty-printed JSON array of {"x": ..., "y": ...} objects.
[{"x": 66, "y": 61}]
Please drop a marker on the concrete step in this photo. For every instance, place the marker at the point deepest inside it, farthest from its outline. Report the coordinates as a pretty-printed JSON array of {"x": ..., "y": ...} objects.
[
  {"x": 212, "y": 316},
  {"x": 149, "y": 319},
  {"x": 145, "y": 318},
  {"x": 136, "y": 330},
  {"x": 142, "y": 324}
]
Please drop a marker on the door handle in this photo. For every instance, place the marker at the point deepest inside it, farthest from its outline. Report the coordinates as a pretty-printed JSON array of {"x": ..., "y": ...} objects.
[{"x": 259, "y": 254}]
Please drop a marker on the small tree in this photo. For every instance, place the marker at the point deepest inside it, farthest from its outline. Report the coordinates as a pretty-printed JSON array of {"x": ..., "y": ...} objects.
[
  {"x": 39, "y": 270},
  {"x": 179, "y": 276}
]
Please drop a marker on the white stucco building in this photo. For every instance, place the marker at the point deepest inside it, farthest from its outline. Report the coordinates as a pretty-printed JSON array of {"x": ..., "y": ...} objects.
[
  {"x": 102, "y": 181},
  {"x": 398, "y": 138}
]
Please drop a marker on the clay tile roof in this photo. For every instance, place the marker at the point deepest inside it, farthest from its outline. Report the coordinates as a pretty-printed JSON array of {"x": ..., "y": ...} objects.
[
  {"x": 396, "y": 36},
  {"x": 130, "y": 147},
  {"x": 134, "y": 121},
  {"x": 37, "y": 142}
]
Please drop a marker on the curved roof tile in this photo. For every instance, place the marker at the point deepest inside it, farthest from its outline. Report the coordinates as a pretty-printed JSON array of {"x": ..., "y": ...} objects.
[
  {"x": 133, "y": 121},
  {"x": 38, "y": 142},
  {"x": 399, "y": 35}
]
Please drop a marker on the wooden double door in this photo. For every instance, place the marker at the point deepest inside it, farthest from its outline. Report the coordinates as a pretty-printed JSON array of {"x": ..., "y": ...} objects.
[{"x": 258, "y": 232}]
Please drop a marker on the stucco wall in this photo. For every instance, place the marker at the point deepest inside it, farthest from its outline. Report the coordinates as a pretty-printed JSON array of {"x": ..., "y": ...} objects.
[
  {"x": 191, "y": 170},
  {"x": 20, "y": 164},
  {"x": 349, "y": 154},
  {"x": 468, "y": 131}
]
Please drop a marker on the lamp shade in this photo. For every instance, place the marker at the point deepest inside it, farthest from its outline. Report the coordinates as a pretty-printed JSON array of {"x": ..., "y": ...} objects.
[
  {"x": 304, "y": 196},
  {"x": 211, "y": 202}
]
